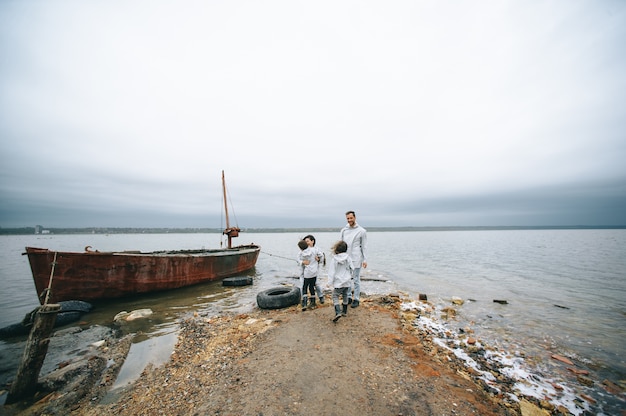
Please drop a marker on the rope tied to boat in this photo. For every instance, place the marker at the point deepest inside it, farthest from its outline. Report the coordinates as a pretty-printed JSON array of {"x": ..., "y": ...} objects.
[
  {"x": 49, "y": 288},
  {"x": 276, "y": 255},
  {"x": 323, "y": 260}
]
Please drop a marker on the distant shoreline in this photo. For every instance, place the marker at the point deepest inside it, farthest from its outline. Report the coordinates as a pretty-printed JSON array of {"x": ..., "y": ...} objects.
[{"x": 155, "y": 230}]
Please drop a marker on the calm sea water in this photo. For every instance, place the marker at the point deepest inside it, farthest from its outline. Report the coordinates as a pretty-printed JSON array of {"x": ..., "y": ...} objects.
[{"x": 566, "y": 289}]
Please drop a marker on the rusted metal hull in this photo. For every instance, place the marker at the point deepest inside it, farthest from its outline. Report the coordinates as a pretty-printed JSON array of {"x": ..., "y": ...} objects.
[{"x": 93, "y": 275}]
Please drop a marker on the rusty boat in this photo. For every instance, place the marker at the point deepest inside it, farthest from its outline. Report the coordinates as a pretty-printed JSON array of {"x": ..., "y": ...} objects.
[{"x": 92, "y": 275}]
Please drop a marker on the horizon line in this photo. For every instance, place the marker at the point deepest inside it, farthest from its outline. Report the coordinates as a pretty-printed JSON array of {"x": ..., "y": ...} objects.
[{"x": 156, "y": 230}]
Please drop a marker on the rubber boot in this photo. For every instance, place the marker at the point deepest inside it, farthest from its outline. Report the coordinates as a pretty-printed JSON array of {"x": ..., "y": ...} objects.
[
  {"x": 345, "y": 310},
  {"x": 337, "y": 313},
  {"x": 312, "y": 302},
  {"x": 304, "y": 299}
]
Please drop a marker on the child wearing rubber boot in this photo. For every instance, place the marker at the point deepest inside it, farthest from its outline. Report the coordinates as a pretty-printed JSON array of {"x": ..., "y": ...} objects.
[
  {"x": 340, "y": 278},
  {"x": 318, "y": 256},
  {"x": 308, "y": 274}
]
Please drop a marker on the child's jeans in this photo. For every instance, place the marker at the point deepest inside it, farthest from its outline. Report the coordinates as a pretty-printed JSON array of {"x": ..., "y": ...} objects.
[
  {"x": 309, "y": 286},
  {"x": 343, "y": 292}
]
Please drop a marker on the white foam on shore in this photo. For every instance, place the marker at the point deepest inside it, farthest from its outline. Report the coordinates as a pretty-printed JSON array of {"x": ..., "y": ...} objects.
[{"x": 526, "y": 381}]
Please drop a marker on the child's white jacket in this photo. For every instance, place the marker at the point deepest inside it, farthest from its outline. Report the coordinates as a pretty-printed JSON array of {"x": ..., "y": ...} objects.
[
  {"x": 340, "y": 271},
  {"x": 309, "y": 270}
]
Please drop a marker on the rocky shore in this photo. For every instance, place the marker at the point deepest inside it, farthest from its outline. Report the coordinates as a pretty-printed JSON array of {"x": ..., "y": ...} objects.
[{"x": 277, "y": 362}]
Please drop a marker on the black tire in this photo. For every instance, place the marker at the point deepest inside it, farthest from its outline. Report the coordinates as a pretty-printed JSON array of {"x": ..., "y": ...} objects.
[
  {"x": 278, "y": 297},
  {"x": 75, "y": 306},
  {"x": 237, "y": 281},
  {"x": 14, "y": 331},
  {"x": 65, "y": 318},
  {"x": 70, "y": 311}
]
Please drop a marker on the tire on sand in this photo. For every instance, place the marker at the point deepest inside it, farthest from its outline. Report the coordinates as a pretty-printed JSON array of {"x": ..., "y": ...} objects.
[
  {"x": 237, "y": 281},
  {"x": 278, "y": 297}
]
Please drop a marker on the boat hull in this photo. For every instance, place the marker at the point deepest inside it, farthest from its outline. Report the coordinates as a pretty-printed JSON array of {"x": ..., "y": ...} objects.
[{"x": 91, "y": 276}]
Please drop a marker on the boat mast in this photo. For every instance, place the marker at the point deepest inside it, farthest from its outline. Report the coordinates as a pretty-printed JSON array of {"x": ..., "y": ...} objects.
[{"x": 229, "y": 231}]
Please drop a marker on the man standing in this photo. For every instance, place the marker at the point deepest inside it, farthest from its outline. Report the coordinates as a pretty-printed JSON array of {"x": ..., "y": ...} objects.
[{"x": 356, "y": 238}]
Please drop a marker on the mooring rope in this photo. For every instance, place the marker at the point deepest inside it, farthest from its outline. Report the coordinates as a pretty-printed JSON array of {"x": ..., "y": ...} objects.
[
  {"x": 54, "y": 263},
  {"x": 276, "y": 255},
  {"x": 323, "y": 259}
]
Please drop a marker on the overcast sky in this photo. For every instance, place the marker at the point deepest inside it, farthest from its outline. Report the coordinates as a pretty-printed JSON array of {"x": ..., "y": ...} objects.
[{"x": 419, "y": 112}]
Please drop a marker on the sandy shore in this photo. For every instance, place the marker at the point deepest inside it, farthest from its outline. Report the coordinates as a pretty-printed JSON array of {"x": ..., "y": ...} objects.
[{"x": 277, "y": 362}]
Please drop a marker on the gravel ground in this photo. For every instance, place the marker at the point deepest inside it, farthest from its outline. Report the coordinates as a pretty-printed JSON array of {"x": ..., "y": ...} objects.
[{"x": 289, "y": 362}]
